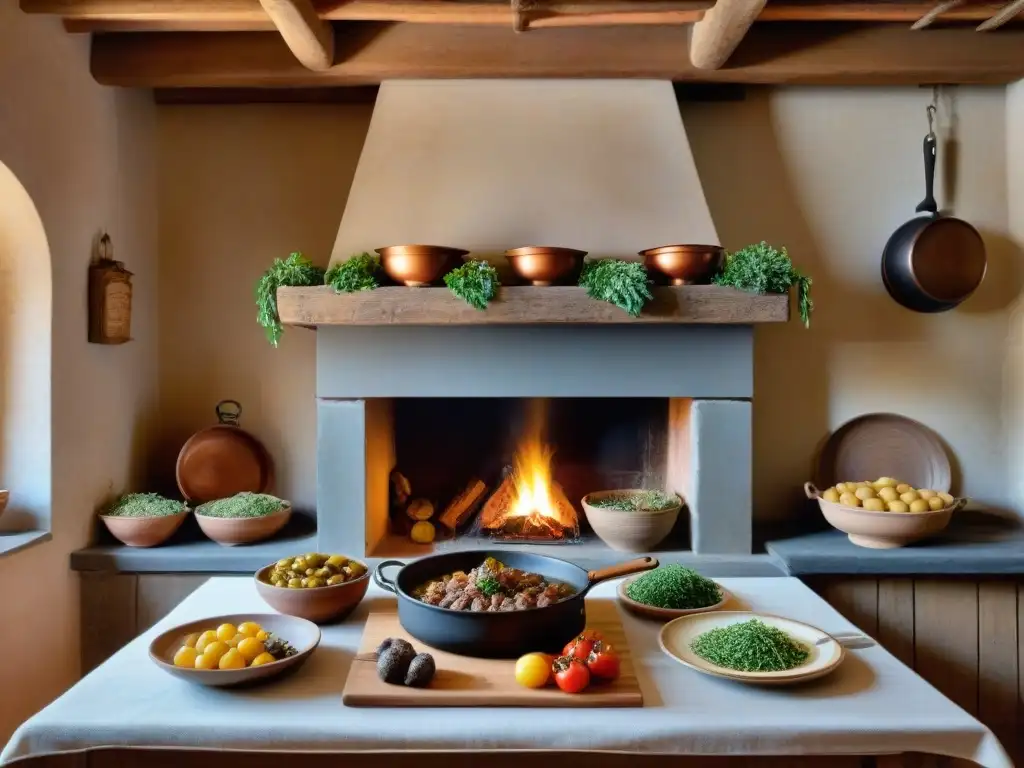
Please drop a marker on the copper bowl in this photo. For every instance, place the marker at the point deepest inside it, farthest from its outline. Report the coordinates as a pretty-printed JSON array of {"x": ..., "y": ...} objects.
[
  {"x": 418, "y": 265},
  {"x": 540, "y": 265},
  {"x": 685, "y": 264}
]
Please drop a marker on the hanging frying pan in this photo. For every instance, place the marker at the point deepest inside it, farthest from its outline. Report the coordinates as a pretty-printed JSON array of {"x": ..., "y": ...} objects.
[
  {"x": 933, "y": 262},
  {"x": 222, "y": 460}
]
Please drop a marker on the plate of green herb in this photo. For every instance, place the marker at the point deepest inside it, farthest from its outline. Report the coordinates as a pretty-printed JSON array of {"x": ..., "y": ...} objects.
[
  {"x": 750, "y": 647},
  {"x": 243, "y": 518},
  {"x": 671, "y": 591}
]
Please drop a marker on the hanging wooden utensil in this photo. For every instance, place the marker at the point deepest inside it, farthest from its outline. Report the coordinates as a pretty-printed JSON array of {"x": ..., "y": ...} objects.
[{"x": 222, "y": 460}]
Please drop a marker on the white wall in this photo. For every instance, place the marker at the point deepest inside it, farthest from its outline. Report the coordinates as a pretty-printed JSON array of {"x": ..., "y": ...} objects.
[
  {"x": 84, "y": 154},
  {"x": 1013, "y": 371},
  {"x": 827, "y": 172}
]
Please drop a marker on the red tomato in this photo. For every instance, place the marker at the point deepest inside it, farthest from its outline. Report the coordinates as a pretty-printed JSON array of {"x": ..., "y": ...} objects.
[
  {"x": 571, "y": 675},
  {"x": 579, "y": 647},
  {"x": 603, "y": 662}
]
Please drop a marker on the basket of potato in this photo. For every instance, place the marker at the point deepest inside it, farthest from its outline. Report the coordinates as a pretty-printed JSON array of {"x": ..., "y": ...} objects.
[{"x": 884, "y": 513}]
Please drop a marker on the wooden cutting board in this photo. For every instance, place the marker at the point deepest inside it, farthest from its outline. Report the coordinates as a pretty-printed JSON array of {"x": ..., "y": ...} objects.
[{"x": 463, "y": 681}]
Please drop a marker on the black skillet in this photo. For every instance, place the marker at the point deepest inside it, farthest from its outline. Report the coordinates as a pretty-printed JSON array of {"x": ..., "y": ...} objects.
[
  {"x": 496, "y": 635},
  {"x": 933, "y": 262}
]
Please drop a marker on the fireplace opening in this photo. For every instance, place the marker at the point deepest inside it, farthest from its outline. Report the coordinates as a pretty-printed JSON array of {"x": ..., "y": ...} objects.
[{"x": 490, "y": 471}]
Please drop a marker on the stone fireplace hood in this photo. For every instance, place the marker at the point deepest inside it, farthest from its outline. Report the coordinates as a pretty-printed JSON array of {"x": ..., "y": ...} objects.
[{"x": 485, "y": 165}]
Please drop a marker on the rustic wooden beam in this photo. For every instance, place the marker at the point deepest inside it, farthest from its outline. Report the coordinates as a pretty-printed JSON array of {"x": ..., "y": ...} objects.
[
  {"x": 820, "y": 54},
  {"x": 308, "y": 36},
  {"x": 718, "y": 34},
  {"x": 248, "y": 15}
]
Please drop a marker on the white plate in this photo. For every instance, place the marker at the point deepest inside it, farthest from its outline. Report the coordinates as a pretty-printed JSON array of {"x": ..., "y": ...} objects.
[{"x": 676, "y": 636}]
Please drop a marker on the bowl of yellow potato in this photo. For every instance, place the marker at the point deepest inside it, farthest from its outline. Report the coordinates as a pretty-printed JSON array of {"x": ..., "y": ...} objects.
[{"x": 884, "y": 513}]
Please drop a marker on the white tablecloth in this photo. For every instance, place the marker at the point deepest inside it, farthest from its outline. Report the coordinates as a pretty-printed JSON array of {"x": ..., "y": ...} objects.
[{"x": 872, "y": 704}]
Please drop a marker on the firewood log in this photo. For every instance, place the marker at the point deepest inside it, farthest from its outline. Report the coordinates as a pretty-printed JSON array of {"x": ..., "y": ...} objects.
[{"x": 463, "y": 505}]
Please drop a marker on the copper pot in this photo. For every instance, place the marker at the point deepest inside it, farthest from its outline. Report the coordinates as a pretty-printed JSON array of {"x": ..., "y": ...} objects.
[
  {"x": 685, "y": 264},
  {"x": 542, "y": 265},
  {"x": 418, "y": 265}
]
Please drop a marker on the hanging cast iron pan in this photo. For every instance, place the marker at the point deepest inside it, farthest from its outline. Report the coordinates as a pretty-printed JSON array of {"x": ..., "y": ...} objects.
[
  {"x": 222, "y": 460},
  {"x": 933, "y": 262},
  {"x": 496, "y": 635}
]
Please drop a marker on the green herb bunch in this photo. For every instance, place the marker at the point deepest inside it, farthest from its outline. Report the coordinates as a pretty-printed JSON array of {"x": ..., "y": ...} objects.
[
  {"x": 642, "y": 501},
  {"x": 750, "y": 646},
  {"x": 242, "y": 504},
  {"x": 359, "y": 273},
  {"x": 475, "y": 282},
  {"x": 762, "y": 268},
  {"x": 144, "y": 505},
  {"x": 488, "y": 585},
  {"x": 296, "y": 270},
  {"x": 622, "y": 283},
  {"x": 676, "y": 587}
]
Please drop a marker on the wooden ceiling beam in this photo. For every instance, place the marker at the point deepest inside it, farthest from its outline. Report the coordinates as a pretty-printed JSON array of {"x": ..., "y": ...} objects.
[
  {"x": 825, "y": 54},
  {"x": 308, "y": 36},
  {"x": 723, "y": 27}
]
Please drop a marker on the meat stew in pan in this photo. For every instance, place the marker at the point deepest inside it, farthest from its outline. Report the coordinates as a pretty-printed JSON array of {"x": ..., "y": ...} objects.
[{"x": 492, "y": 587}]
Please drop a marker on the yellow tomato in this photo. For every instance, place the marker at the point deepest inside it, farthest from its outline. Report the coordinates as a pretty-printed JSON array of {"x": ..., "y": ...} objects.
[
  {"x": 226, "y": 631},
  {"x": 231, "y": 660},
  {"x": 533, "y": 670},
  {"x": 205, "y": 639},
  {"x": 263, "y": 658},
  {"x": 205, "y": 662},
  {"x": 250, "y": 648},
  {"x": 263, "y": 635},
  {"x": 191, "y": 640},
  {"x": 185, "y": 657},
  {"x": 249, "y": 628},
  {"x": 234, "y": 641},
  {"x": 216, "y": 649}
]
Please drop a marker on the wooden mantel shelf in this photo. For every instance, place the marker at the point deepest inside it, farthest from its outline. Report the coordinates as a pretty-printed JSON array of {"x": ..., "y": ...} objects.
[{"x": 525, "y": 305}]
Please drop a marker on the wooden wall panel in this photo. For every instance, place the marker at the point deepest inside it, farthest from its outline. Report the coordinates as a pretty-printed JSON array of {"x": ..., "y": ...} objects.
[
  {"x": 946, "y": 639},
  {"x": 896, "y": 618},
  {"x": 157, "y": 594},
  {"x": 997, "y": 658},
  {"x": 108, "y": 615}
]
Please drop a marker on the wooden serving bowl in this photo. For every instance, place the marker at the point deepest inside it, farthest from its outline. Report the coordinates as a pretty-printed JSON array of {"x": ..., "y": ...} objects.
[
  {"x": 685, "y": 264},
  {"x": 144, "y": 531},
  {"x": 544, "y": 265},
  {"x": 302, "y": 635},
  {"x": 883, "y": 530},
  {"x": 319, "y": 604},
  {"x": 418, "y": 265},
  {"x": 231, "y": 531},
  {"x": 632, "y": 530}
]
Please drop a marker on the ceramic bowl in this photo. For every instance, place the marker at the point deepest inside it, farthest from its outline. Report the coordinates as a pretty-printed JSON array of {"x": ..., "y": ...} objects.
[
  {"x": 543, "y": 265},
  {"x": 144, "y": 531},
  {"x": 231, "y": 531},
  {"x": 629, "y": 531},
  {"x": 319, "y": 604},
  {"x": 883, "y": 530},
  {"x": 418, "y": 265},
  {"x": 664, "y": 614},
  {"x": 685, "y": 264},
  {"x": 302, "y": 635},
  {"x": 4, "y": 498}
]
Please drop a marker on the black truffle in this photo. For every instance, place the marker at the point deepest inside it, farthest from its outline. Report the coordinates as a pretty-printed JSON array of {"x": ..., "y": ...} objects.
[
  {"x": 395, "y": 642},
  {"x": 421, "y": 671},
  {"x": 394, "y": 662}
]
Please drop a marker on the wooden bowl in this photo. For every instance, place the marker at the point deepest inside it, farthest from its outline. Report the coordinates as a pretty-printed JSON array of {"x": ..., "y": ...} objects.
[
  {"x": 303, "y": 635},
  {"x": 685, "y": 264},
  {"x": 883, "y": 530},
  {"x": 543, "y": 265},
  {"x": 230, "y": 531},
  {"x": 629, "y": 531},
  {"x": 664, "y": 614},
  {"x": 418, "y": 265},
  {"x": 144, "y": 531},
  {"x": 319, "y": 604}
]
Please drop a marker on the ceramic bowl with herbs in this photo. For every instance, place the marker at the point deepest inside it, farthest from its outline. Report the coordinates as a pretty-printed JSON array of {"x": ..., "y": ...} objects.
[
  {"x": 632, "y": 520},
  {"x": 144, "y": 519},
  {"x": 671, "y": 591},
  {"x": 244, "y": 518}
]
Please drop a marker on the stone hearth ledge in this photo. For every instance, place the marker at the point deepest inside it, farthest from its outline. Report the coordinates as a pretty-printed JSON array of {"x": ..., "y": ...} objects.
[{"x": 871, "y": 704}]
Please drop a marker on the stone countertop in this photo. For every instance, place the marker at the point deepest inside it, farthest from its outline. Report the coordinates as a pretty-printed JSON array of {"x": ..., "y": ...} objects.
[
  {"x": 872, "y": 704},
  {"x": 975, "y": 544}
]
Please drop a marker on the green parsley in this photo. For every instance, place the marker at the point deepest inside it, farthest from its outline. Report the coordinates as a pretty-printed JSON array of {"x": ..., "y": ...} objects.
[{"x": 750, "y": 646}]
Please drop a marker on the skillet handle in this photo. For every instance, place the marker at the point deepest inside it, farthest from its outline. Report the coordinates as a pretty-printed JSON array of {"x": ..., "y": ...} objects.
[
  {"x": 622, "y": 569},
  {"x": 383, "y": 581},
  {"x": 928, "y": 205}
]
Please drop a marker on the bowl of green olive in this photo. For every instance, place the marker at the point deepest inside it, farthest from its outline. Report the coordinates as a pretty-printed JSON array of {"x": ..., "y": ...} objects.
[{"x": 314, "y": 586}]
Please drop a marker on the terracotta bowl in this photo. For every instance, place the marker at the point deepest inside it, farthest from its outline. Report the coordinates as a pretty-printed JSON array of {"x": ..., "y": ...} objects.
[
  {"x": 883, "y": 530},
  {"x": 144, "y": 531},
  {"x": 629, "y": 531},
  {"x": 4, "y": 498},
  {"x": 541, "y": 265},
  {"x": 418, "y": 265},
  {"x": 685, "y": 264},
  {"x": 230, "y": 531},
  {"x": 302, "y": 635},
  {"x": 319, "y": 604}
]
